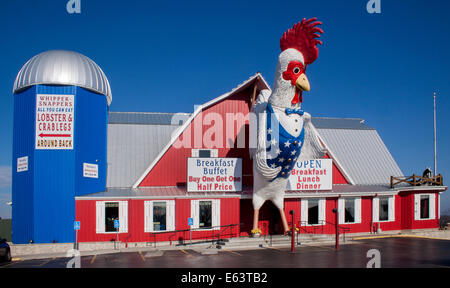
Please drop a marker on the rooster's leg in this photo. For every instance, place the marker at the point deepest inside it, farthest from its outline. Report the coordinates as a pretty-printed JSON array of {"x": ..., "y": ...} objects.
[
  {"x": 283, "y": 219},
  {"x": 255, "y": 219}
]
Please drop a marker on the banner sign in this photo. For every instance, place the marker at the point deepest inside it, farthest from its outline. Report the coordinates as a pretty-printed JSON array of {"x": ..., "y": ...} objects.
[
  {"x": 312, "y": 175},
  {"x": 54, "y": 122},
  {"x": 22, "y": 164},
  {"x": 214, "y": 174},
  {"x": 90, "y": 170}
]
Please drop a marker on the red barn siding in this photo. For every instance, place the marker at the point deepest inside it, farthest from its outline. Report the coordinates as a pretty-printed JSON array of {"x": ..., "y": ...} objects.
[
  {"x": 235, "y": 211},
  {"x": 366, "y": 217},
  {"x": 408, "y": 221},
  {"x": 292, "y": 204},
  {"x": 338, "y": 177},
  {"x": 86, "y": 214},
  {"x": 171, "y": 169}
]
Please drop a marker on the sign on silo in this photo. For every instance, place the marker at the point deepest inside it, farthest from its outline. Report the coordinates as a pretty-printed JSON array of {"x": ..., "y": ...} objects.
[{"x": 54, "y": 122}]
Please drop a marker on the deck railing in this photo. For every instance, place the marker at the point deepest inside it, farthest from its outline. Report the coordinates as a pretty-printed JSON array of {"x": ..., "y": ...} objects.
[{"x": 417, "y": 180}]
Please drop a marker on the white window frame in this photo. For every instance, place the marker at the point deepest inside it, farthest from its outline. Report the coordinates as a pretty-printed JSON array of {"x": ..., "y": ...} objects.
[
  {"x": 376, "y": 209},
  {"x": 431, "y": 207},
  {"x": 100, "y": 217},
  {"x": 341, "y": 210},
  {"x": 148, "y": 216},
  {"x": 214, "y": 153},
  {"x": 304, "y": 211},
  {"x": 215, "y": 214}
]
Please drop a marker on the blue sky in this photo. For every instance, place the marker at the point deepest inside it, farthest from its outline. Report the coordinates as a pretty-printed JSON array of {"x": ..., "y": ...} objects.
[{"x": 166, "y": 57}]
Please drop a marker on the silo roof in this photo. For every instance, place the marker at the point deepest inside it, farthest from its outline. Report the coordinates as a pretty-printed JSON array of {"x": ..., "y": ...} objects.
[{"x": 62, "y": 67}]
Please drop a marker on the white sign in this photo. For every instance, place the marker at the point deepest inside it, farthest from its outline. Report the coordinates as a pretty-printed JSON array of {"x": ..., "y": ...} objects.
[
  {"x": 214, "y": 174},
  {"x": 312, "y": 175},
  {"x": 90, "y": 170},
  {"x": 22, "y": 164},
  {"x": 54, "y": 122}
]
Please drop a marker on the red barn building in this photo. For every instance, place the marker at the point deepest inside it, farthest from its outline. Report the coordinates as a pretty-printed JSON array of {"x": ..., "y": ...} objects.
[{"x": 147, "y": 179}]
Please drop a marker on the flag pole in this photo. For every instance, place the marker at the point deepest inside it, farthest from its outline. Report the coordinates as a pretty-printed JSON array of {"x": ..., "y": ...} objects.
[{"x": 435, "y": 146}]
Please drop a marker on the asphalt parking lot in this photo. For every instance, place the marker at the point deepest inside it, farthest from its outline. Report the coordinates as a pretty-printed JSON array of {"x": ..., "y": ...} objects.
[{"x": 394, "y": 253}]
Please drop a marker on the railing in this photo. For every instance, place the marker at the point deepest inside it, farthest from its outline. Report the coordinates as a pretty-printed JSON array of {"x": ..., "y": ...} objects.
[
  {"x": 319, "y": 226},
  {"x": 343, "y": 229},
  {"x": 216, "y": 232},
  {"x": 416, "y": 180}
]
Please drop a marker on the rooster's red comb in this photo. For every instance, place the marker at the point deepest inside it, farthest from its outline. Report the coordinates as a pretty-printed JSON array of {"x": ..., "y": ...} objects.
[{"x": 302, "y": 37}]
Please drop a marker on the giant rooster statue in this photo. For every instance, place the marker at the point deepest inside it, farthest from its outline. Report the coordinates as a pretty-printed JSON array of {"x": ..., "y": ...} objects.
[{"x": 285, "y": 133}]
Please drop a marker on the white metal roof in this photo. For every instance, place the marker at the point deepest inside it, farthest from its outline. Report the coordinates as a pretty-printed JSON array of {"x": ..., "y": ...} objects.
[
  {"x": 131, "y": 147},
  {"x": 362, "y": 154},
  {"x": 61, "y": 67}
]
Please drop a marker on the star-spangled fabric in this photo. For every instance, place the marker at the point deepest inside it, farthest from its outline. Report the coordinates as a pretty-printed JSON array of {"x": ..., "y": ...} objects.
[{"x": 282, "y": 149}]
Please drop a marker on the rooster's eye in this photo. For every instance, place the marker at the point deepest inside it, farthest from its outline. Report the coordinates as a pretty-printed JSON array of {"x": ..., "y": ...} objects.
[{"x": 296, "y": 70}]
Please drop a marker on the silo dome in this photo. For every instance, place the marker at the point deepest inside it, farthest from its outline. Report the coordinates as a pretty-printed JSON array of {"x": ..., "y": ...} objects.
[{"x": 61, "y": 67}]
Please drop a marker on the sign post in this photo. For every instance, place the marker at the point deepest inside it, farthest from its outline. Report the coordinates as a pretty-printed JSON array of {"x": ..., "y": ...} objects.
[
  {"x": 293, "y": 232},
  {"x": 76, "y": 227},
  {"x": 117, "y": 226},
  {"x": 336, "y": 212},
  {"x": 190, "y": 223}
]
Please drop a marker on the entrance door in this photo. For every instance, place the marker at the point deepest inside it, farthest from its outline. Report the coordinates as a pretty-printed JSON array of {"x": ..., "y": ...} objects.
[
  {"x": 269, "y": 218},
  {"x": 407, "y": 210}
]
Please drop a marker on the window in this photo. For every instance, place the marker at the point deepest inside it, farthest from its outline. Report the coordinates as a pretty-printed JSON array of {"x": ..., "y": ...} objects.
[
  {"x": 384, "y": 209},
  {"x": 425, "y": 206},
  {"x": 349, "y": 212},
  {"x": 313, "y": 211},
  {"x": 206, "y": 214},
  {"x": 111, "y": 214},
  {"x": 107, "y": 212},
  {"x": 204, "y": 153},
  {"x": 159, "y": 216}
]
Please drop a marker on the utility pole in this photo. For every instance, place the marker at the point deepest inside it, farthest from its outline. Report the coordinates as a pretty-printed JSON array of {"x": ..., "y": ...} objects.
[{"x": 435, "y": 145}]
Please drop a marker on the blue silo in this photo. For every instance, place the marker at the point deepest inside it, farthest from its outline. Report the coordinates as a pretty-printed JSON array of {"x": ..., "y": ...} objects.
[{"x": 61, "y": 103}]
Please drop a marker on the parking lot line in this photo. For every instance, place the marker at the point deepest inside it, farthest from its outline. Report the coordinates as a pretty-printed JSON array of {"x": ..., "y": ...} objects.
[
  {"x": 7, "y": 265},
  {"x": 185, "y": 252},
  {"x": 233, "y": 252},
  {"x": 142, "y": 256},
  {"x": 45, "y": 262}
]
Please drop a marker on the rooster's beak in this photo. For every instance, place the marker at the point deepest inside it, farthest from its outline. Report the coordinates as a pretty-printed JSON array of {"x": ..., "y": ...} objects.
[{"x": 303, "y": 83}]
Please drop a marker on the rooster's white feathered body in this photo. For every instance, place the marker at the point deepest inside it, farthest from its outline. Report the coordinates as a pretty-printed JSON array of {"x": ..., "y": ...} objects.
[{"x": 285, "y": 133}]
